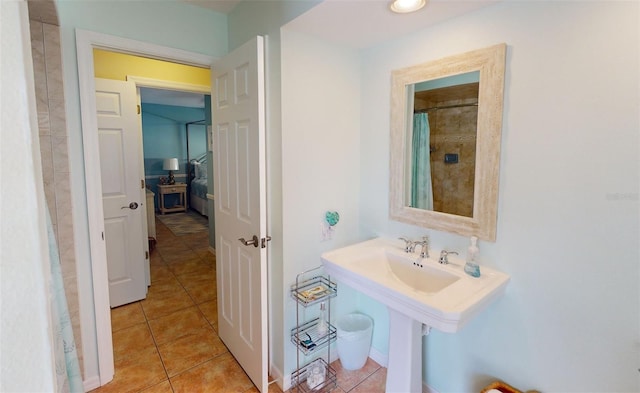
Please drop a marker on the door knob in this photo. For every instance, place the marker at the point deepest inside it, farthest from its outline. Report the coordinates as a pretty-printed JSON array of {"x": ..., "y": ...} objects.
[
  {"x": 132, "y": 206},
  {"x": 252, "y": 242}
]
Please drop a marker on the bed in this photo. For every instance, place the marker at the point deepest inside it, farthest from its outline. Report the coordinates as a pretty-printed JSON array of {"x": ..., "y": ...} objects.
[{"x": 198, "y": 185}]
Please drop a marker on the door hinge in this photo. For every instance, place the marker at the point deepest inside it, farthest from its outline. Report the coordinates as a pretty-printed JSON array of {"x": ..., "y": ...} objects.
[
  {"x": 146, "y": 255},
  {"x": 264, "y": 240},
  {"x": 102, "y": 235},
  {"x": 141, "y": 183},
  {"x": 138, "y": 107}
]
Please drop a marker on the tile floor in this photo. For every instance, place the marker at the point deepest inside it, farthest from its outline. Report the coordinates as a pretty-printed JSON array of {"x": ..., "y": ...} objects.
[{"x": 168, "y": 343}]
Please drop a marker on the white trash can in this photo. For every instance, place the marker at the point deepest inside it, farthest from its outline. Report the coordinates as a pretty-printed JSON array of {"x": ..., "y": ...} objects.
[{"x": 354, "y": 340}]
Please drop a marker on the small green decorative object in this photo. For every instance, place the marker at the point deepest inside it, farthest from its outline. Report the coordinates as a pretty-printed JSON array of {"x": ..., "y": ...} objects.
[{"x": 332, "y": 218}]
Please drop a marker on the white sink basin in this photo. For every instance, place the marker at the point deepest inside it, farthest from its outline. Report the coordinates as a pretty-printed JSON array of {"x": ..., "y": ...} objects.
[
  {"x": 416, "y": 275},
  {"x": 441, "y": 296},
  {"x": 417, "y": 291}
]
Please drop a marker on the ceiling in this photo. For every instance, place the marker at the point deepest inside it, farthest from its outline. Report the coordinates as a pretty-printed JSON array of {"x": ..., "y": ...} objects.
[
  {"x": 221, "y": 6},
  {"x": 354, "y": 23},
  {"x": 365, "y": 23},
  {"x": 362, "y": 23}
]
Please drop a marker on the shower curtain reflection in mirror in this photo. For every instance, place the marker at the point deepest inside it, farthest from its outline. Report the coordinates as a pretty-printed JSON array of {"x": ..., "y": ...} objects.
[{"x": 421, "y": 186}]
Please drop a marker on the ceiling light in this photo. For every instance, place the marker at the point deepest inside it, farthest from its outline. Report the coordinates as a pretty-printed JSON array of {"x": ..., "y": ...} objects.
[{"x": 404, "y": 6}]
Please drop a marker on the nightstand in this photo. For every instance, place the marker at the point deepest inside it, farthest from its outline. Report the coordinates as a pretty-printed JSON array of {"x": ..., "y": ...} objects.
[{"x": 166, "y": 189}]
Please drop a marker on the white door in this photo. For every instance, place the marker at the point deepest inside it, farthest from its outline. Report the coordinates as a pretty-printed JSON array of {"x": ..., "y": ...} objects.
[
  {"x": 122, "y": 190},
  {"x": 240, "y": 207}
]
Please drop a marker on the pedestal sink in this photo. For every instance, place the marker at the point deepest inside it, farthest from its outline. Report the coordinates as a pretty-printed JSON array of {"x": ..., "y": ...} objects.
[{"x": 420, "y": 294}]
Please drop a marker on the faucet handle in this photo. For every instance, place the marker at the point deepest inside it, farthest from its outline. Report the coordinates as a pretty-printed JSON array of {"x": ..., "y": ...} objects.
[
  {"x": 444, "y": 256},
  {"x": 409, "y": 245}
]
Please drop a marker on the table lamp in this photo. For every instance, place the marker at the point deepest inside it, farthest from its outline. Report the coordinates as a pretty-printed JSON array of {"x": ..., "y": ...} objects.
[{"x": 170, "y": 164}]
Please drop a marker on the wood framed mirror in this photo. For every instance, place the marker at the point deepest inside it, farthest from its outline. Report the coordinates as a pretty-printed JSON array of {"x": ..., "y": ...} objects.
[{"x": 446, "y": 126}]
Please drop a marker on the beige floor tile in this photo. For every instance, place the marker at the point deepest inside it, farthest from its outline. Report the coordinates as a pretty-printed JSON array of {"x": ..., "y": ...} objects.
[
  {"x": 376, "y": 383},
  {"x": 166, "y": 238},
  {"x": 219, "y": 375},
  {"x": 273, "y": 388},
  {"x": 126, "y": 316},
  {"x": 202, "y": 292},
  {"x": 178, "y": 255},
  {"x": 203, "y": 252},
  {"x": 131, "y": 341},
  {"x": 162, "y": 387},
  {"x": 209, "y": 258},
  {"x": 348, "y": 379},
  {"x": 164, "y": 234},
  {"x": 156, "y": 308},
  {"x": 191, "y": 265},
  {"x": 204, "y": 273},
  {"x": 136, "y": 373},
  {"x": 155, "y": 259},
  {"x": 177, "y": 324},
  {"x": 196, "y": 240},
  {"x": 160, "y": 273},
  {"x": 190, "y": 350},
  {"x": 210, "y": 311},
  {"x": 164, "y": 289}
]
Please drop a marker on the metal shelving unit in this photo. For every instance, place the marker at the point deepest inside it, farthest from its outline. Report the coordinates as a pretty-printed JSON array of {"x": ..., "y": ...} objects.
[{"x": 312, "y": 288}]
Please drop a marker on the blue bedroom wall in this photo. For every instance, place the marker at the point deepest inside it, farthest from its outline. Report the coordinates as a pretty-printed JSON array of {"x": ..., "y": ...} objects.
[{"x": 164, "y": 136}]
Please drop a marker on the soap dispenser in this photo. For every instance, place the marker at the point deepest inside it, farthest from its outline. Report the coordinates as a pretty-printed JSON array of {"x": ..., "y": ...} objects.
[{"x": 471, "y": 267}]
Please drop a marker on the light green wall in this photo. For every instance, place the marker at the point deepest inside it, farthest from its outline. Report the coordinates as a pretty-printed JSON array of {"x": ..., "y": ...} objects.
[
  {"x": 568, "y": 210},
  {"x": 568, "y": 229},
  {"x": 168, "y": 23},
  {"x": 321, "y": 162}
]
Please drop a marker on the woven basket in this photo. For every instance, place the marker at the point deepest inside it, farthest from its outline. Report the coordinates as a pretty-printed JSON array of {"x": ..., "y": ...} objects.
[{"x": 504, "y": 388}]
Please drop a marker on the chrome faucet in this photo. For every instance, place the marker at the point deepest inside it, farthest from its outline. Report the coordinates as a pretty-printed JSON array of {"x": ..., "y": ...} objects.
[
  {"x": 424, "y": 252},
  {"x": 444, "y": 254},
  {"x": 409, "y": 245}
]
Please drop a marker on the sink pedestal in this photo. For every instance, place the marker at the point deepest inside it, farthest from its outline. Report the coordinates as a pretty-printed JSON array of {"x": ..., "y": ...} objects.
[{"x": 404, "y": 372}]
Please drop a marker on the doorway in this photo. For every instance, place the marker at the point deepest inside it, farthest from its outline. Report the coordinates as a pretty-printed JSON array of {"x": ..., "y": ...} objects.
[{"x": 86, "y": 42}]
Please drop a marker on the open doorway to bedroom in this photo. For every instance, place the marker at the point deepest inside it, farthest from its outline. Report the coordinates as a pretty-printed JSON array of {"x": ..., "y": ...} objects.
[
  {"x": 175, "y": 149},
  {"x": 175, "y": 111}
]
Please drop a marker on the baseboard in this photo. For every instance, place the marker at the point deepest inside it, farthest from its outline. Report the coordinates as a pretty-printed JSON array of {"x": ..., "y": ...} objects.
[
  {"x": 91, "y": 383},
  {"x": 428, "y": 389},
  {"x": 276, "y": 374},
  {"x": 379, "y": 357}
]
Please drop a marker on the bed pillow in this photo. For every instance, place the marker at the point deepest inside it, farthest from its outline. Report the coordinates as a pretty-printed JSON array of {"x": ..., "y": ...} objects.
[
  {"x": 203, "y": 171},
  {"x": 196, "y": 169}
]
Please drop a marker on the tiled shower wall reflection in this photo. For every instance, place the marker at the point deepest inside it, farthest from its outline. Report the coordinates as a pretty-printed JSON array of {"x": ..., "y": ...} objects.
[{"x": 47, "y": 68}]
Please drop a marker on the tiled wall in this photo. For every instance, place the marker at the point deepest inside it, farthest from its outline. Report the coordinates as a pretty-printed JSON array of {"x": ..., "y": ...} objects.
[
  {"x": 453, "y": 131},
  {"x": 47, "y": 67}
]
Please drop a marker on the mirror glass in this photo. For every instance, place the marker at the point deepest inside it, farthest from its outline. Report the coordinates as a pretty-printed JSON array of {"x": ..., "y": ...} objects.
[
  {"x": 441, "y": 144},
  {"x": 446, "y": 121}
]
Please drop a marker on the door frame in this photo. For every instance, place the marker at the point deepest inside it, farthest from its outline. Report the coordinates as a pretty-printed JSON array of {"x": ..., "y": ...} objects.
[{"x": 86, "y": 41}]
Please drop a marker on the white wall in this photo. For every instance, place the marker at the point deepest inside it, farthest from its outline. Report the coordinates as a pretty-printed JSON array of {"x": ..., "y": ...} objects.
[
  {"x": 568, "y": 211},
  {"x": 320, "y": 160},
  {"x": 27, "y": 338}
]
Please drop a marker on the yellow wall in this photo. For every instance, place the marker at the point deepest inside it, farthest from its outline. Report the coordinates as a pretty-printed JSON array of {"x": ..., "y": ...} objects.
[{"x": 111, "y": 65}]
